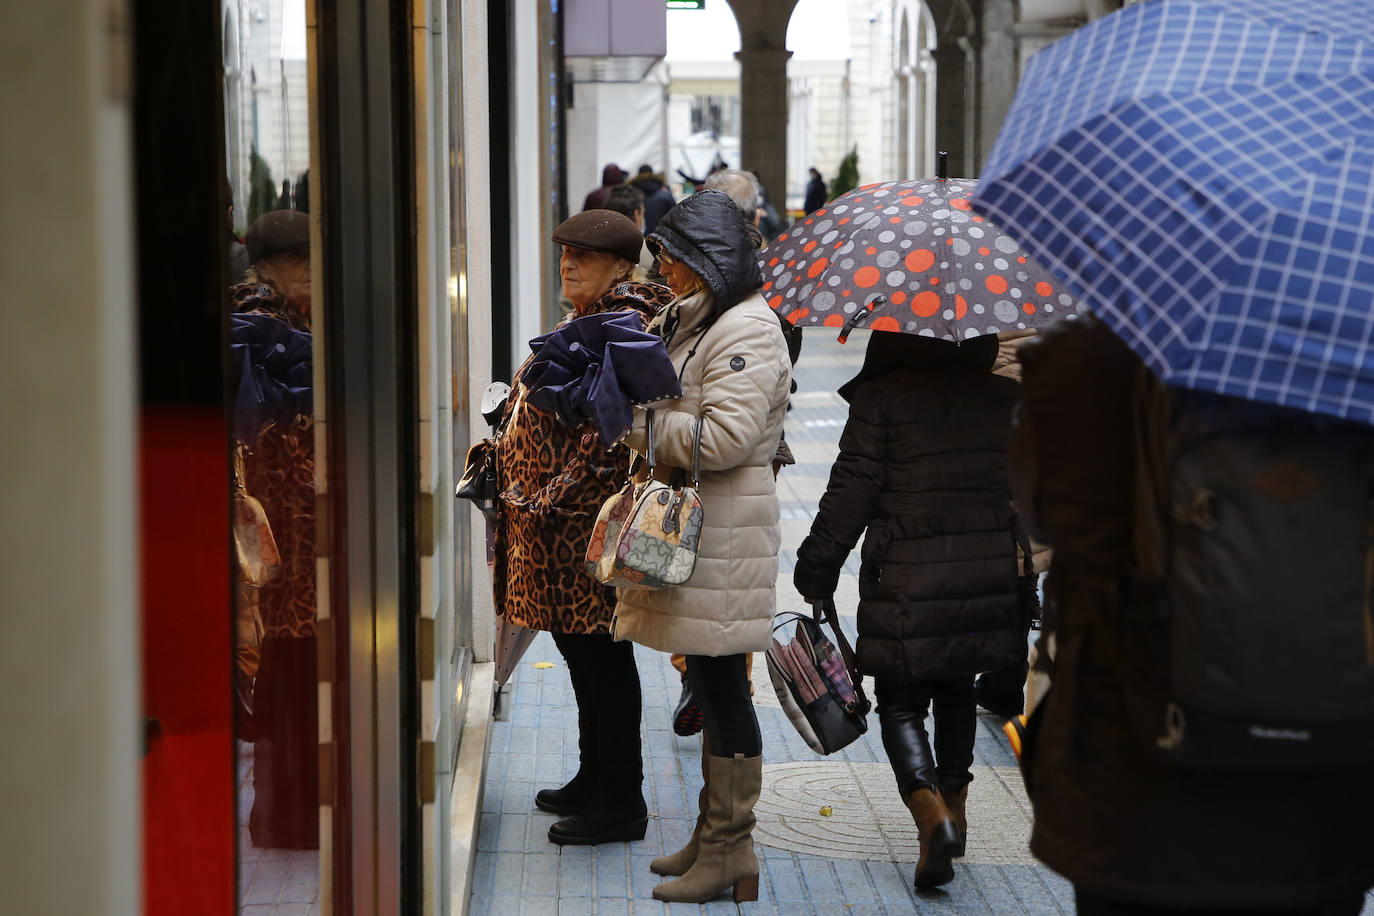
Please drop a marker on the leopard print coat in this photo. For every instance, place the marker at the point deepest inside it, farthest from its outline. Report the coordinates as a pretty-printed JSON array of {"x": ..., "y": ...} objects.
[
  {"x": 553, "y": 481},
  {"x": 280, "y": 472}
]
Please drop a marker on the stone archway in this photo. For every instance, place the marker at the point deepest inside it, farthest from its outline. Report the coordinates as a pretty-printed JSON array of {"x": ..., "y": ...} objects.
[{"x": 763, "y": 59}]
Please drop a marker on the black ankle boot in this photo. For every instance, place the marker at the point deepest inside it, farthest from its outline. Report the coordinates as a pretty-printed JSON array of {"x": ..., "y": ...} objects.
[
  {"x": 604, "y": 820},
  {"x": 569, "y": 799}
]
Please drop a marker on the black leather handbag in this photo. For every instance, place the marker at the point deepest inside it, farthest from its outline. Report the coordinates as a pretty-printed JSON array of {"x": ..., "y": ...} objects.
[{"x": 479, "y": 478}]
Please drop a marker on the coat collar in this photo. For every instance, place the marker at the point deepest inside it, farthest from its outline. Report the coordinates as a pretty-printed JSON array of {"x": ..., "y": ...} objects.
[{"x": 682, "y": 316}]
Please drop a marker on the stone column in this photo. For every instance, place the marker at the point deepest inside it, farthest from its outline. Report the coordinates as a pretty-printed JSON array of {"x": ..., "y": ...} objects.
[{"x": 763, "y": 116}]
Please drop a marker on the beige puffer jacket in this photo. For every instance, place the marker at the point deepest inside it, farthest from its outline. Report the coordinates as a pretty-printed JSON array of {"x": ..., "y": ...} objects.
[{"x": 737, "y": 381}]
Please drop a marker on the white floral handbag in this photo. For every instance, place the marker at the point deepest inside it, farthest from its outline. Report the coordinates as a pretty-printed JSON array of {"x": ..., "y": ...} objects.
[{"x": 647, "y": 535}]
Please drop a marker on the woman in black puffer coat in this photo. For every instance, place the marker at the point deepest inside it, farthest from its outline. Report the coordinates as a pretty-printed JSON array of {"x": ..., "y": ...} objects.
[{"x": 922, "y": 467}]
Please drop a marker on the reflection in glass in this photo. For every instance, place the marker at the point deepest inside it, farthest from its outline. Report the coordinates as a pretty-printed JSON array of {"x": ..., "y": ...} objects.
[{"x": 267, "y": 157}]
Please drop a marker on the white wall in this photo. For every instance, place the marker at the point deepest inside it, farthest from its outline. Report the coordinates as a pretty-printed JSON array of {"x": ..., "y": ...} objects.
[
  {"x": 527, "y": 248},
  {"x": 474, "y": 285},
  {"x": 69, "y": 787}
]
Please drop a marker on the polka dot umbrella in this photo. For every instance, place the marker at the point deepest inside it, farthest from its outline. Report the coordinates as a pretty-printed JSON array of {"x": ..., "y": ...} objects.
[{"x": 908, "y": 256}]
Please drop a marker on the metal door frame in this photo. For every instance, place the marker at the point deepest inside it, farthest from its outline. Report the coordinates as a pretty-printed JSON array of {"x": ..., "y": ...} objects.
[{"x": 365, "y": 131}]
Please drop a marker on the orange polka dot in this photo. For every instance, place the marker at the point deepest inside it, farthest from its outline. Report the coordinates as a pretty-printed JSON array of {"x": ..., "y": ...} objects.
[
  {"x": 960, "y": 307},
  {"x": 774, "y": 262},
  {"x": 925, "y": 303},
  {"x": 934, "y": 281},
  {"x": 949, "y": 241},
  {"x": 912, "y": 201},
  {"x": 870, "y": 251},
  {"x": 885, "y": 323},
  {"x": 920, "y": 260},
  {"x": 898, "y": 297},
  {"x": 960, "y": 203},
  {"x": 782, "y": 237},
  {"x": 1044, "y": 288},
  {"x": 791, "y": 262},
  {"x": 997, "y": 285},
  {"x": 834, "y": 321},
  {"x": 845, "y": 293},
  {"x": 984, "y": 251},
  {"x": 977, "y": 219},
  {"x": 798, "y": 314},
  {"x": 843, "y": 221},
  {"x": 810, "y": 221},
  {"x": 809, "y": 245},
  {"x": 816, "y": 267},
  {"x": 775, "y": 302},
  {"x": 1028, "y": 308},
  {"x": 768, "y": 285},
  {"x": 820, "y": 212},
  {"x": 1020, "y": 260},
  {"x": 894, "y": 219},
  {"x": 867, "y": 276}
]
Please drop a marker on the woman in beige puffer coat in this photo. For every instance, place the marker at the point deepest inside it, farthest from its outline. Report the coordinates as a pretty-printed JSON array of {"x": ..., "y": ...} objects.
[{"x": 735, "y": 371}]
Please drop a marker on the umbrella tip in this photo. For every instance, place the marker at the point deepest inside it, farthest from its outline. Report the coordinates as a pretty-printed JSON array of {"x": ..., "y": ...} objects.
[{"x": 943, "y": 167}]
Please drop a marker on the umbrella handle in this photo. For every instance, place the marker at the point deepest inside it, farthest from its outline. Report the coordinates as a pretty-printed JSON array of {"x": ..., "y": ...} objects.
[{"x": 859, "y": 317}]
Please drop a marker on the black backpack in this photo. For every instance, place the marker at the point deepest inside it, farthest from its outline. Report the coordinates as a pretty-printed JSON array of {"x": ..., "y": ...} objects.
[{"x": 1246, "y": 638}]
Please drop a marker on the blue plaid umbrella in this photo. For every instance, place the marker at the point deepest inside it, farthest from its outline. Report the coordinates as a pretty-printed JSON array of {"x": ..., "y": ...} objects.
[{"x": 1201, "y": 174}]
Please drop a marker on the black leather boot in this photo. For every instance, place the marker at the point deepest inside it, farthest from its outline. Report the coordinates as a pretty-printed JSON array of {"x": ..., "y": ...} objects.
[
  {"x": 615, "y": 813},
  {"x": 570, "y": 798}
]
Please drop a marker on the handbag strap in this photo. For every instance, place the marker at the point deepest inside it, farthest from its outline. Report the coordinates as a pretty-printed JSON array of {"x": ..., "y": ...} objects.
[
  {"x": 824, "y": 612},
  {"x": 649, "y": 449}
]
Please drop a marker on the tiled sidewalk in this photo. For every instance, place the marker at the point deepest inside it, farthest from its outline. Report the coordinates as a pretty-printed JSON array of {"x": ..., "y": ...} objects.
[{"x": 857, "y": 861}]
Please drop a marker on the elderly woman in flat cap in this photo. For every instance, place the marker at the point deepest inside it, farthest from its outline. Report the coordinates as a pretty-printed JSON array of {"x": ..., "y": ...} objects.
[
  {"x": 554, "y": 479},
  {"x": 278, "y": 469}
]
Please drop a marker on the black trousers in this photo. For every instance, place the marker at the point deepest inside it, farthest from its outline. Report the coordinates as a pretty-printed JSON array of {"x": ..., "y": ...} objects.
[
  {"x": 902, "y": 709},
  {"x": 605, "y": 683},
  {"x": 1091, "y": 905},
  {"x": 721, "y": 689}
]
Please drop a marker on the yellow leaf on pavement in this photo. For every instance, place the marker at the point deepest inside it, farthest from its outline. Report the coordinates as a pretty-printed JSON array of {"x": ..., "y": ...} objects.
[
  {"x": 545, "y": 665},
  {"x": 827, "y": 811}
]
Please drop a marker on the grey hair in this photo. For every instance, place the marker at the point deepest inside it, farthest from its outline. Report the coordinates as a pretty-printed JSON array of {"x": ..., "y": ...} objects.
[{"x": 741, "y": 186}]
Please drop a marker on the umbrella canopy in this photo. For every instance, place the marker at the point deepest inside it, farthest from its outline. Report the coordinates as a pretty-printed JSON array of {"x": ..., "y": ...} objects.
[
  {"x": 273, "y": 363},
  {"x": 596, "y": 368},
  {"x": 1201, "y": 173},
  {"x": 908, "y": 256}
]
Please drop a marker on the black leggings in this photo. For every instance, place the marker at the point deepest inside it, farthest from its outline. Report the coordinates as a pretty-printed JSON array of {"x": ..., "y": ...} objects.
[
  {"x": 605, "y": 682},
  {"x": 902, "y": 709},
  {"x": 721, "y": 689}
]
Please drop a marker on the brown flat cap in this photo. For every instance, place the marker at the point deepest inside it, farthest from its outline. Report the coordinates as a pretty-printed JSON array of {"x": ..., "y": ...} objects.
[
  {"x": 601, "y": 230},
  {"x": 277, "y": 231}
]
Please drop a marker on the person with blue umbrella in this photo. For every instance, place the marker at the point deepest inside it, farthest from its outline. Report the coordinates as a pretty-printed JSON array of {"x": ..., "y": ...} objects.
[{"x": 1200, "y": 454}]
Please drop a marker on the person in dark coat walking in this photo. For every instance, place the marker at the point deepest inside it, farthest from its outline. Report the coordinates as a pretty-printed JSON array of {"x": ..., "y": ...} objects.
[
  {"x": 1134, "y": 835},
  {"x": 611, "y": 176},
  {"x": 922, "y": 467},
  {"x": 658, "y": 200},
  {"x": 815, "y": 193}
]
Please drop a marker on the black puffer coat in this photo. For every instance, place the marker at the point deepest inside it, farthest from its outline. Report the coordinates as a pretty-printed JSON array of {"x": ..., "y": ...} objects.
[
  {"x": 703, "y": 233},
  {"x": 923, "y": 468}
]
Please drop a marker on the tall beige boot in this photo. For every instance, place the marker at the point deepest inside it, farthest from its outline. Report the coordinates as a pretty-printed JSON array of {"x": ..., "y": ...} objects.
[
  {"x": 678, "y": 862},
  {"x": 939, "y": 838},
  {"x": 725, "y": 849}
]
